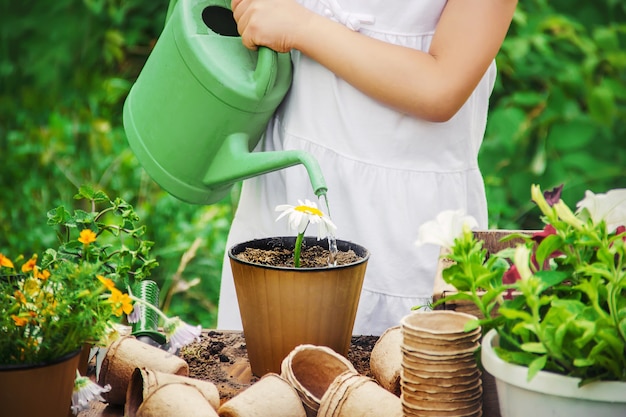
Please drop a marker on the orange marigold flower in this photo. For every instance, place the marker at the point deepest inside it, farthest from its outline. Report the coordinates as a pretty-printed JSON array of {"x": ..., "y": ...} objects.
[
  {"x": 6, "y": 262},
  {"x": 19, "y": 296},
  {"x": 30, "y": 264},
  {"x": 41, "y": 274},
  {"x": 122, "y": 302},
  {"x": 107, "y": 282},
  {"x": 87, "y": 236},
  {"x": 19, "y": 321}
]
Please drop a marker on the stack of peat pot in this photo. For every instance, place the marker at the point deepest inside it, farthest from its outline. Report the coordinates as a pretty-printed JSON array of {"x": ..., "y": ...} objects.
[{"x": 439, "y": 374}]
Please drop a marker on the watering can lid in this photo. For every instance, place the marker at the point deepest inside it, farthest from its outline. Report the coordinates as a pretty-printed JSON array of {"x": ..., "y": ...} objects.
[{"x": 244, "y": 79}]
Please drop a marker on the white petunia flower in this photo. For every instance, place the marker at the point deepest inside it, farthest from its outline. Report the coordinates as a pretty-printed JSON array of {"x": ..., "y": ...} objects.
[
  {"x": 610, "y": 207},
  {"x": 136, "y": 314},
  {"x": 180, "y": 334},
  {"x": 86, "y": 391},
  {"x": 442, "y": 231},
  {"x": 301, "y": 215}
]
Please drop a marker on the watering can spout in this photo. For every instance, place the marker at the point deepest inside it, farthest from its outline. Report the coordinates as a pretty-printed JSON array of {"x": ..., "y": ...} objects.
[{"x": 234, "y": 162}]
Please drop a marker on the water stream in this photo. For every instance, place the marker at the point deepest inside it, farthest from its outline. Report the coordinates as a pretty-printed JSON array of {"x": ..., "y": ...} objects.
[{"x": 332, "y": 242}]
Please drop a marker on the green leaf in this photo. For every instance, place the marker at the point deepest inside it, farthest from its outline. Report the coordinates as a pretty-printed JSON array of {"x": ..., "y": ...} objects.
[
  {"x": 534, "y": 347},
  {"x": 515, "y": 314},
  {"x": 602, "y": 104},
  {"x": 547, "y": 247},
  {"x": 551, "y": 278},
  {"x": 536, "y": 365},
  {"x": 58, "y": 216},
  {"x": 519, "y": 358},
  {"x": 570, "y": 135}
]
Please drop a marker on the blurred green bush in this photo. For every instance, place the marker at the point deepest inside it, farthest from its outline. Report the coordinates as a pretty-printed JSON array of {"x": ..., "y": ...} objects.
[
  {"x": 559, "y": 108},
  {"x": 557, "y": 116}
]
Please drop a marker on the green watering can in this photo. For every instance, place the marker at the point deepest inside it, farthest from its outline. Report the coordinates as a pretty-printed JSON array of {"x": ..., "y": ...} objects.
[{"x": 202, "y": 102}]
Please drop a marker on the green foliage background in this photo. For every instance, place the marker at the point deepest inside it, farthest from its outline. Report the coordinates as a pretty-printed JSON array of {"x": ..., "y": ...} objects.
[{"x": 558, "y": 116}]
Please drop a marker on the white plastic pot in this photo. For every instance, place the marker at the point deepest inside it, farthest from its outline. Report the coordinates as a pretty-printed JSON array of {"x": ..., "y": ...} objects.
[{"x": 548, "y": 394}]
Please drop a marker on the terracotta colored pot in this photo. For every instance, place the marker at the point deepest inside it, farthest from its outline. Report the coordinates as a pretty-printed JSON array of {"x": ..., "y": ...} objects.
[
  {"x": 38, "y": 390},
  {"x": 282, "y": 308}
]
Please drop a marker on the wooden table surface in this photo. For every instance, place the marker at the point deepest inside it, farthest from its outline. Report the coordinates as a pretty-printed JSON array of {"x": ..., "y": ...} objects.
[{"x": 490, "y": 402}]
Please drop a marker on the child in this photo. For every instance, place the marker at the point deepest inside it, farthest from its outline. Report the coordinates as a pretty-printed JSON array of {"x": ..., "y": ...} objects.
[{"x": 391, "y": 98}]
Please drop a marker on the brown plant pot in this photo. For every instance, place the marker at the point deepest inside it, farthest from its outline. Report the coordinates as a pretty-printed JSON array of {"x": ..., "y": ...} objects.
[
  {"x": 144, "y": 382},
  {"x": 128, "y": 353},
  {"x": 284, "y": 307},
  {"x": 38, "y": 390}
]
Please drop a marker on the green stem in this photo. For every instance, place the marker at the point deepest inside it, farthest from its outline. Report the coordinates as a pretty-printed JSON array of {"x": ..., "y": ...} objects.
[
  {"x": 297, "y": 249},
  {"x": 151, "y": 306}
]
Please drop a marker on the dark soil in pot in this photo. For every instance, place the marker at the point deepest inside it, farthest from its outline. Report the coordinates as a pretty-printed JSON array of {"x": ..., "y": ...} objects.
[{"x": 315, "y": 254}]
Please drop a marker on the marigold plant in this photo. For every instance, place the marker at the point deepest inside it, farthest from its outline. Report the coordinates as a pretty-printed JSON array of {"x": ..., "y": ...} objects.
[{"x": 46, "y": 313}]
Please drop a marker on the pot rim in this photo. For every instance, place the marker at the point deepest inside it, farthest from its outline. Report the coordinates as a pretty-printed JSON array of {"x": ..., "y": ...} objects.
[
  {"x": 239, "y": 247},
  {"x": 547, "y": 382},
  {"x": 23, "y": 366}
]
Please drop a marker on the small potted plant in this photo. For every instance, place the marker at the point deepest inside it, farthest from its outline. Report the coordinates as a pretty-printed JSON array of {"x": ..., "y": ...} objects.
[
  {"x": 286, "y": 299},
  {"x": 52, "y": 305},
  {"x": 46, "y": 316},
  {"x": 553, "y": 306}
]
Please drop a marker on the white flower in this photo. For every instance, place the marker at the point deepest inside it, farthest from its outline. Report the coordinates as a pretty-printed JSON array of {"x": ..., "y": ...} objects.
[
  {"x": 442, "y": 231},
  {"x": 136, "y": 314},
  {"x": 86, "y": 391},
  {"x": 180, "y": 334},
  {"x": 610, "y": 207},
  {"x": 113, "y": 332},
  {"x": 301, "y": 215}
]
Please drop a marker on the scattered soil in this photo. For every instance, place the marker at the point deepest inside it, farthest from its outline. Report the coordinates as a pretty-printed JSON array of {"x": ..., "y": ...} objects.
[
  {"x": 310, "y": 257},
  {"x": 220, "y": 357}
]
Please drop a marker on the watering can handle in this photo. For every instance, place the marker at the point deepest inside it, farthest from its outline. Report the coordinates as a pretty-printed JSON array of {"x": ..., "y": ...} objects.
[
  {"x": 170, "y": 9},
  {"x": 265, "y": 73}
]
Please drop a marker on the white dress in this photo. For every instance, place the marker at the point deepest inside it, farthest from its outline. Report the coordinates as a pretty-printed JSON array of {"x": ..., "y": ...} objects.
[{"x": 386, "y": 172}]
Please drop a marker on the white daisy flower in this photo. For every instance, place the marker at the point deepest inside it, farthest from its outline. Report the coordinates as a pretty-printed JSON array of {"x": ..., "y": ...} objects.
[
  {"x": 180, "y": 334},
  {"x": 307, "y": 212},
  {"x": 86, "y": 391}
]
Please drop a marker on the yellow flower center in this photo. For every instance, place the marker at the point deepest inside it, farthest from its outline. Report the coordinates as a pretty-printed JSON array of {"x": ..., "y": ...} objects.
[{"x": 309, "y": 210}]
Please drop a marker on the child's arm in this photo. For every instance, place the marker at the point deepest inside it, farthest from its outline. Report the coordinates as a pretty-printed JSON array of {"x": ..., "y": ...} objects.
[{"x": 432, "y": 85}]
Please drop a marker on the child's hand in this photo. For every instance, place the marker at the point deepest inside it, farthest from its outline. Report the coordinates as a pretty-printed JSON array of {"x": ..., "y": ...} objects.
[{"x": 271, "y": 23}]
